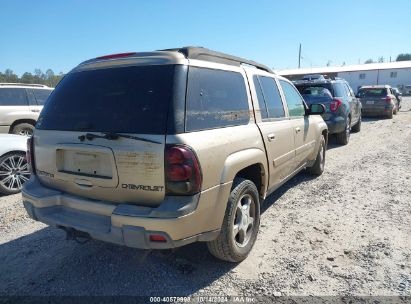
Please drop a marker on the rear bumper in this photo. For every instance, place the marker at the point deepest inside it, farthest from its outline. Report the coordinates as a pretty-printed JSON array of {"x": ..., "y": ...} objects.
[
  {"x": 336, "y": 124},
  {"x": 198, "y": 218},
  {"x": 4, "y": 129},
  {"x": 381, "y": 110}
]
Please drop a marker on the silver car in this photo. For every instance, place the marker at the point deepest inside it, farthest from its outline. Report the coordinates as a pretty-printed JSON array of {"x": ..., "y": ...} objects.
[{"x": 14, "y": 171}]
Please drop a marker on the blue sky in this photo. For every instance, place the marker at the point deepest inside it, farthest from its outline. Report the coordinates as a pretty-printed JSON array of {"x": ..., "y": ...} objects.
[{"x": 61, "y": 34}]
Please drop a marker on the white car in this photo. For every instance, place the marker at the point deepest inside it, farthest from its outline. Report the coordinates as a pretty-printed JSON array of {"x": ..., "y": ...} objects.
[{"x": 14, "y": 170}]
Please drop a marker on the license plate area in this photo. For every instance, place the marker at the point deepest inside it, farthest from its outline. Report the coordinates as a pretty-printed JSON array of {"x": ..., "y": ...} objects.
[
  {"x": 82, "y": 163},
  {"x": 370, "y": 102}
]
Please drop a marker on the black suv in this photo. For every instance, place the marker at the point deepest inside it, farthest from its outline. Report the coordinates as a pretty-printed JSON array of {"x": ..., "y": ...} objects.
[{"x": 342, "y": 109}]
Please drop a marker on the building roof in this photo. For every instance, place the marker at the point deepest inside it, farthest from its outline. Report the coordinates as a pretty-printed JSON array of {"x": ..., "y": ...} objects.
[{"x": 348, "y": 68}]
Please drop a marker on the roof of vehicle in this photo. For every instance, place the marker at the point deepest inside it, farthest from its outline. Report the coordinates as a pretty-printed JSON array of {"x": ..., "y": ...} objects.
[
  {"x": 169, "y": 56},
  {"x": 24, "y": 85},
  {"x": 380, "y": 86},
  {"x": 317, "y": 79}
]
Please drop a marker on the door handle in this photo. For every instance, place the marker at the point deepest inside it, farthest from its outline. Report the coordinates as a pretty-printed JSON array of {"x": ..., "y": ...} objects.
[
  {"x": 271, "y": 137},
  {"x": 35, "y": 111},
  {"x": 297, "y": 130}
]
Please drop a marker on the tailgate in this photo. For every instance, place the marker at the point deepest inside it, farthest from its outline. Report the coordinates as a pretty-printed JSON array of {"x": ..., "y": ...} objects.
[{"x": 120, "y": 170}]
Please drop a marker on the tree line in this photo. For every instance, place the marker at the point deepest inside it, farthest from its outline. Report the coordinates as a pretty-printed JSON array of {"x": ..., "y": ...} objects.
[
  {"x": 400, "y": 57},
  {"x": 49, "y": 78}
]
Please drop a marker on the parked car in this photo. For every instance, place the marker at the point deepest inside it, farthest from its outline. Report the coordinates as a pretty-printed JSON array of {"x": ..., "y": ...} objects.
[
  {"x": 14, "y": 170},
  {"x": 160, "y": 149},
  {"x": 406, "y": 90},
  {"x": 20, "y": 106},
  {"x": 398, "y": 95},
  {"x": 342, "y": 108},
  {"x": 378, "y": 100}
]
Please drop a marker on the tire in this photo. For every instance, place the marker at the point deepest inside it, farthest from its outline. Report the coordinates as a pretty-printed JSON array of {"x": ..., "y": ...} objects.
[
  {"x": 396, "y": 110},
  {"x": 318, "y": 167},
  {"x": 238, "y": 234},
  {"x": 14, "y": 172},
  {"x": 357, "y": 127},
  {"x": 344, "y": 137},
  {"x": 391, "y": 114},
  {"x": 25, "y": 129}
]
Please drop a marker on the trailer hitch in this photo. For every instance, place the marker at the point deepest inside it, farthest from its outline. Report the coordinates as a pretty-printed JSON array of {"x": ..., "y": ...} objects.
[{"x": 76, "y": 235}]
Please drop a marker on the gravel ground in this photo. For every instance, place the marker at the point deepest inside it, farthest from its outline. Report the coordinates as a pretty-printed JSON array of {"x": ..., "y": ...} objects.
[{"x": 346, "y": 232}]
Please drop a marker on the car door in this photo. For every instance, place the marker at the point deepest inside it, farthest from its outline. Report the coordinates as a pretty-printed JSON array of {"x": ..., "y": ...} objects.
[
  {"x": 304, "y": 133},
  {"x": 274, "y": 126},
  {"x": 13, "y": 104}
]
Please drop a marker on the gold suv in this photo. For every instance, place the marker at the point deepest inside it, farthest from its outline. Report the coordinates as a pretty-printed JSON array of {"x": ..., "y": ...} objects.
[{"x": 160, "y": 149}]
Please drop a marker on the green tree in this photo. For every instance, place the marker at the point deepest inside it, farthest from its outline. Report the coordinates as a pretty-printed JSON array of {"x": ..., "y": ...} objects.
[
  {"x": 403, "y": 57},
  {"x": 369, "y": 61}
]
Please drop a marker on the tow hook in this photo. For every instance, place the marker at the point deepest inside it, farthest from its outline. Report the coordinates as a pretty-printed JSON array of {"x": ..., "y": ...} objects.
[{"x": 75, "y": 235}]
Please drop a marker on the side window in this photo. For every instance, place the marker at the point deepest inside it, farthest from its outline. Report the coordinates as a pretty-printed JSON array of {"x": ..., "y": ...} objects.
[
  {"x": 294, "y": 101},
  {"x": 260, "y": 97},
  {"x": 215, "y": 98},
  {"x": 41, "y": 96},
  {"x": 13, "y": 97},
  {"x": 272, "y": 97},
  {"x": 339, "y": 90}
]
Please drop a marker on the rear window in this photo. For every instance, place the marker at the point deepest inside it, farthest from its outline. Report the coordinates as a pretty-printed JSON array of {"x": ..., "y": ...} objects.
[
  {"x": 13, "y": 97},
  {"x": 215, "y": 98},
  {"x": 127, "y": 99},
  {"x": 372, "y": 92},
  {"x": 306, "y": 89},
  {"x": 340, "y": 90},
  {"x": 316, "y": 91},
  {"x": 41, "y": 95}
]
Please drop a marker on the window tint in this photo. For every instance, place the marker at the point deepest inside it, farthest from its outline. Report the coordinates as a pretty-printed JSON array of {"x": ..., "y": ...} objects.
[
  {"x": 215, "y": 98},
  {"x": 41, "y": 95},
  {"x": 370, "y": 92},
  {"x": 339, "y": 90},
  {"x": 272, "y": 97},
  {"x": 260, "y": 97},
  {"x": 127, "y": 99},
  {"x": 302, "y": 87},
  {"x": 13, "y": 97},
  {"x": 293, "y": 99}
]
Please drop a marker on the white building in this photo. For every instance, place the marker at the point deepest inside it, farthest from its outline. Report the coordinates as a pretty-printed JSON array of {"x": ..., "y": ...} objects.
[{"x": 396, "y": 74}]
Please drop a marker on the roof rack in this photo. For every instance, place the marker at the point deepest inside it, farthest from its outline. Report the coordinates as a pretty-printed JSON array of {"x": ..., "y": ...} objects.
[
  {"x": 201, "y": 53},
  {"x": 24, "y": 84}
]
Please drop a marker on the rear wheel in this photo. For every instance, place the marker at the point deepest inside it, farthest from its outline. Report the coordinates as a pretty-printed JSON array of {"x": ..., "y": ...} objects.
[
  {"x": 24, "y": 129},
  {"x": 357, "y": 127},
  {"x": 241, "y": 223},
  {"x": 318, "y": 167},
  {"x": 344, "y": 137},
  {"x": 14, "y": 172},
  {"x": 391, "y": 114}
]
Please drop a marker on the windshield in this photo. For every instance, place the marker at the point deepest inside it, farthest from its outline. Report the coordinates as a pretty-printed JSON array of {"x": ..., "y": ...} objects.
[{"x": 127, "y": 99}]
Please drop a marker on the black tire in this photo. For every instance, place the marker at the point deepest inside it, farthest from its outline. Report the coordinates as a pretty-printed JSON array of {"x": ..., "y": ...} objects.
[
  {"x": 318, "y": 167},
  {"x": 344, "y": 137},
  {"x": 230, "y": 246},
  {"x": 12, "y": 177},
  {"x": 391, "y": 114},
  {"x": 396, "y": 110},
  {"x": 357, "y": 127},
  {"x": 25, "y": 129}
]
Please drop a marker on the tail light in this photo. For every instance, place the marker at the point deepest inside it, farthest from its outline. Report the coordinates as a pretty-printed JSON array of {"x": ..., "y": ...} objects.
[
  {"x": 182, "y": 171},
  {"x": 30, "y": 155},
  {"x": 387, "y": 99},
  {"x": 335, "y": 105}
]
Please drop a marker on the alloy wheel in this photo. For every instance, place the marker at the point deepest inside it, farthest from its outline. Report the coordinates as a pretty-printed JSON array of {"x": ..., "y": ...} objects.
[
  {"x": 244, "y": 220},
  {"x": 14, "y": 172}
]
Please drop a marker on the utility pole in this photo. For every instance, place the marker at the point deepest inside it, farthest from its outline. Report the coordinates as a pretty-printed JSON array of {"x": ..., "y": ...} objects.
[{"x": 299, "y": 57}]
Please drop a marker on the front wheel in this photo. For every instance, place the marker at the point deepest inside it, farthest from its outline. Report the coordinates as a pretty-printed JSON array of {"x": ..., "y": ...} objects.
[
  {"x": 241, "y": 223},
  {"x": 318, "y": 167},
  {"x": 14, "y": 172},
  {"x": 24, "y": 129}
]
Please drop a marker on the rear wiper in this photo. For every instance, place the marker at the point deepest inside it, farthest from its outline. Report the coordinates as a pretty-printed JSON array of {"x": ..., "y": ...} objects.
[{"x": 114, "y": 136}]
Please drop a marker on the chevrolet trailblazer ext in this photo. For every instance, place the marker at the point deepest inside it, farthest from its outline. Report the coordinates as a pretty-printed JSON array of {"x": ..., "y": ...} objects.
[{"x": 165, "y": 148}]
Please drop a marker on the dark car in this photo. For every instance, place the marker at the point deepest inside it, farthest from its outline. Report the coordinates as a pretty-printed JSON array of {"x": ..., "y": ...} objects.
[
  {"x": 342, "y": 109},
  {"x": 398, "y": 95},
  {"x": 378, "y": 100}
]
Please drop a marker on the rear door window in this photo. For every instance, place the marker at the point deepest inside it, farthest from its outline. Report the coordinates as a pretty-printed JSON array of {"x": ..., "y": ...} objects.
[
  {"x": 260, "y": 98},
  {"x": 294, "y": 100},
  {"x": 272, "y": 97},
  {"x": 13, "y": 97},
  {"x": 41, "y": 95},
  {"x": 122, "y": 99},
  {"x": 215, "y": 98}
]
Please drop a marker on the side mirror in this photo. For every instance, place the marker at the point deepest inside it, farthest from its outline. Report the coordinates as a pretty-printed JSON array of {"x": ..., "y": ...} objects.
[{"x": 316, "y": 109}]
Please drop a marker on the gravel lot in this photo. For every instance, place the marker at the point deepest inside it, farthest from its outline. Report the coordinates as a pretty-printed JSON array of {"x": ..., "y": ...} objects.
[{"x": 347, "y": 232}]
